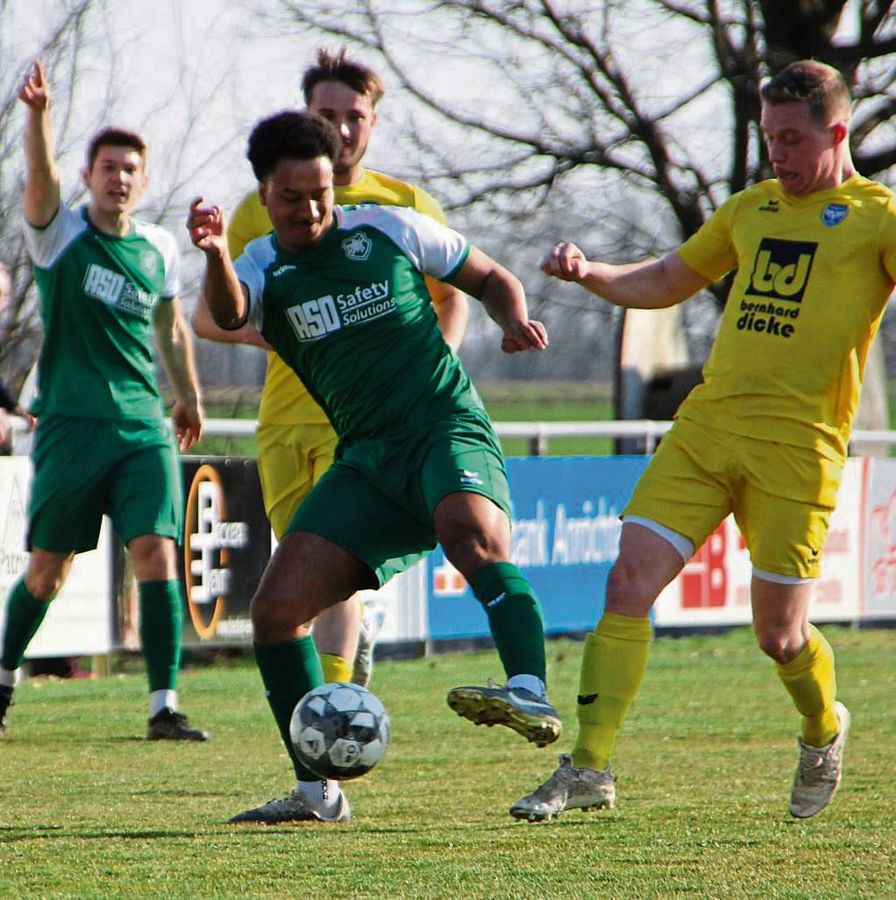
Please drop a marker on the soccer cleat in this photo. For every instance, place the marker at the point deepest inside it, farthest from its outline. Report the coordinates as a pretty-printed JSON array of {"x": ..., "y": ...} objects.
[
  {"x": 819, "y": 770},
  {"x": 570, "y": 787},
  {"x": 517, "y": 708},
  {"x": 294, "y": 808},
  {"x": 5, "y": 703},
  {"x": 168, "y": 725},
  {"x": 371, "y": 623}
]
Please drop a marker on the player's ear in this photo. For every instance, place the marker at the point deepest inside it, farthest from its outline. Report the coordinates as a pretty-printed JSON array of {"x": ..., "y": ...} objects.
[
  {"x": 840, "y": 131},
  {"x": 263, "y": 193},
  {"x": 85, "y": 175}
]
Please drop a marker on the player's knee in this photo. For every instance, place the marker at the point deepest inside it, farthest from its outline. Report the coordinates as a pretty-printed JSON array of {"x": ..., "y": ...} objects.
[
  {"x": 779, "y": 644},
  {"x": 44, "y": 585},
  {"x": 470, "y": 551},
  {"x": 630, "y": 589}
]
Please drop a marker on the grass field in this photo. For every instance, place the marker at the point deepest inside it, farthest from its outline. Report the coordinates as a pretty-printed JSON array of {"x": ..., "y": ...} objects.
[{"x": 703, "y": 766}]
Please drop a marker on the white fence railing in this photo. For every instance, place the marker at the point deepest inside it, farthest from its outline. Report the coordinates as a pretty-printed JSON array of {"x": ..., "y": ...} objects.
[{"x": 540, "y": 433}]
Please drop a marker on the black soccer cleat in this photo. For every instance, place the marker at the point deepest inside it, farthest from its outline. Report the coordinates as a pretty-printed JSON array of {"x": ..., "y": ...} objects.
[
  {"x": 5, "y": 703},
  {"x": 168, "y": 725}
]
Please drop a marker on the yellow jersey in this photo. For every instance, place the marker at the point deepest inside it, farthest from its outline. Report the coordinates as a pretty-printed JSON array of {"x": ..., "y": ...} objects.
[
  {"x": 284, "y": 399},
  {"x": 812, "y": 278}
]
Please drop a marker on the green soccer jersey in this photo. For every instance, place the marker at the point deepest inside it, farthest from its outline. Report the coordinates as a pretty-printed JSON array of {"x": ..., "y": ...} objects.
[
  {"x": 353, "y": 318},
  {"x": 97, "y": 293}
]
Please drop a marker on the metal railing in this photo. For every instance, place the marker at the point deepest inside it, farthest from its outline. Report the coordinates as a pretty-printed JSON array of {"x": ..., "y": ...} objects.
[{"x": 540, "y": 433}]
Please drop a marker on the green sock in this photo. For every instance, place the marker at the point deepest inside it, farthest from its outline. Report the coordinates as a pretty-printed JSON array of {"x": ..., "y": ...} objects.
[
  {"x": 161, "y": 625},
  {"x": 514, "y": 617},
  {"x": 288, "y": 672},
  {"x": 24, "y": 614}
]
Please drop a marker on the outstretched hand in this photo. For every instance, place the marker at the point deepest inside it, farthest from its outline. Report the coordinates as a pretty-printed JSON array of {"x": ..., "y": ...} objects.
[
  {"x": 206, "y": 227},
  {"x": 35, "y": 91},
  {"x": 566, "y": 262},
  {"x": 524, "y": 335}
]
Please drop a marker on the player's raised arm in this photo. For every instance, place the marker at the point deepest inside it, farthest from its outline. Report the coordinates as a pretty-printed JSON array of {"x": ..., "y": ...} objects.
[
  {"x": 651, "y": 284},
  {"x": 226, "y": 298},
  {"x": 504, "y": 299},
  {"x": 42, "y": 191}
]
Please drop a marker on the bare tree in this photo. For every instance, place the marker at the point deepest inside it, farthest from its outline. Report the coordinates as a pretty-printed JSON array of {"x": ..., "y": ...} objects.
[
  {"x": 624, "y": 123},
  {"x": 88, "y": 51}
]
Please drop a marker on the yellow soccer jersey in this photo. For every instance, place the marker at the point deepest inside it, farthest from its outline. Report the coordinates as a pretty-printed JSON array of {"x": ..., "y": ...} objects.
[
  {"x": 284, "y": 400},
  {"x": 813, "y": 275}
]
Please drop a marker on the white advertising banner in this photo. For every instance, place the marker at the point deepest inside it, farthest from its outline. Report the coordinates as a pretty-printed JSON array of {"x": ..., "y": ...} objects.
[
  {"x": 714, "y": 587},
  {"x": 79, "y": 621},
  {"x": 879, "y": 568}
]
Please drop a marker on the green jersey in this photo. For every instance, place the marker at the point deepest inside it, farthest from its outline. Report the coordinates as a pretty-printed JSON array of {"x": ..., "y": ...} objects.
[
  {"x": 353, "y": 318},
  {"x": 97, "y": 293}
]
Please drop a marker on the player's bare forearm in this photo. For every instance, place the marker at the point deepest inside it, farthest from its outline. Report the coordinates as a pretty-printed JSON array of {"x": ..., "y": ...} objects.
[
  {"x": 176, "y": 352},
  {"x": 204, "y": 326},
  {"x": 42, "y": 191},
  {"x": 649, "y": 284},
  {"x": 221, "y": 289}
]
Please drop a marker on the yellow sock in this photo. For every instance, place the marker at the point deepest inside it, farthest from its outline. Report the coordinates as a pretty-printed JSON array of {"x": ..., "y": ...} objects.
[
  {"x": 336, "y": 668},
  {"x": 613, "y": 667},
  {"x": 810, "y": 679}
]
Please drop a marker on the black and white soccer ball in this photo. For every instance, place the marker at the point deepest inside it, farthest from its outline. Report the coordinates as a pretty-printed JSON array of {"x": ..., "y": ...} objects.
[{"x": 339, "y": 730}]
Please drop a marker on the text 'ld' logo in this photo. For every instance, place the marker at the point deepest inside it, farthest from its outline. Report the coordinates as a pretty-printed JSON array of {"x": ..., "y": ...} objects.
[{"x": 781, "y": 269}]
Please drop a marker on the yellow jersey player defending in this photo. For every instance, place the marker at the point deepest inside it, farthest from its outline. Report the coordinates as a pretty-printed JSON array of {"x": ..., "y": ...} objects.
[
  {"x": 295, "y": 440},
  {"x": 764, "y": 437}
]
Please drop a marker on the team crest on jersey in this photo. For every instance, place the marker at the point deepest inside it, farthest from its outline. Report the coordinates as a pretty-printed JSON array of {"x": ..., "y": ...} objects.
[
  {"x": 834, "y": 213},
  {"x": 357, "y": 246}
]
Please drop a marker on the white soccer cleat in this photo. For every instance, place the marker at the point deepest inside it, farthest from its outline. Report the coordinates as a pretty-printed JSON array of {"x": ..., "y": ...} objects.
[
  {"x": 294, "y": 808},
  {"x": 819, "y": 770},
  {"x": 371, "y": 623},
  {"x": 519, "y": 709},
  {"x": 570, "y": 787}
]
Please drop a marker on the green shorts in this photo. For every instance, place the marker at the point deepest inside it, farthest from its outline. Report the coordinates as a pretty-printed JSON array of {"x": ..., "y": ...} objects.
[
  {"x": 781, "y": 496},
  {"x": 378, "y": 498},
  {"x": 85, "y": 468}
]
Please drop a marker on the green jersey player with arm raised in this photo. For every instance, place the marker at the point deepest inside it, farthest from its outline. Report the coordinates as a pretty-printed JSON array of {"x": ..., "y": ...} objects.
[
  {"x": 339, "y": 294},
  {"x": 108, "y": 284}
]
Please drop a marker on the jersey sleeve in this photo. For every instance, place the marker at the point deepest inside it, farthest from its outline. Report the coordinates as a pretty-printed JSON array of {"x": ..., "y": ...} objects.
[
  {"x": 250, "y": 269},
  {"x": 250, "y": 220},
  {"x": 45, "y": 245},
  {"x": 888, "y": 240},
  {"x": 171, "y": 256},
  {"x": 433, "y": 248},
  {"x": 711, "y": 252}
]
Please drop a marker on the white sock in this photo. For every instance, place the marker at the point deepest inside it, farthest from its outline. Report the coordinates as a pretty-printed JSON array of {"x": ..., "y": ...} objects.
[
  {"x": 8, "y": 677},
  {"x": 158, "y": 700},
  {"x": 323, "y": 795},
  {"x": 529, "y": 682}
]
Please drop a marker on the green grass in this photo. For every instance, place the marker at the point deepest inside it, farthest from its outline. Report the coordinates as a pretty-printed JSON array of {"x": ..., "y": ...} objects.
[{"x": 703, "y": 765}]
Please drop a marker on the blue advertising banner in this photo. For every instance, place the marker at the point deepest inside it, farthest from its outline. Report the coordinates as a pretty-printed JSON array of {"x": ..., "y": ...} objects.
[{"x": 565, "y": 539}]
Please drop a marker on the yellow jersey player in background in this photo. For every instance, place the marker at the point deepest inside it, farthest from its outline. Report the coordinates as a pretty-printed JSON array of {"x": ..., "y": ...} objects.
[
  {"x": 295, "y": 440},
  {"x": 764, "y": 437}
]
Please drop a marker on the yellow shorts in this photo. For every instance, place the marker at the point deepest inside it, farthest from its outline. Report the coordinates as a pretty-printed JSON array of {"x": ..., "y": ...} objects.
[
  {"x": 781, "y": 496},
  {"x": 291, "y": 460}
]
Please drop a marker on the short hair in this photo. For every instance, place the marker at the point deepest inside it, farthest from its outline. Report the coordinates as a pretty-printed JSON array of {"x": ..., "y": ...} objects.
[
  {"x": 821, "y": 87},
  {"x": 115, "y": 137},
  {"x": 290, "y": 135},
  {"x": 337, "y": 67}
]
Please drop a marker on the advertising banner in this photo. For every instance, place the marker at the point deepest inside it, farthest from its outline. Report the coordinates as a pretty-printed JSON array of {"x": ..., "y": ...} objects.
[
  {"x": 80, "y": 619},
  {"x": 565, "y": 539},
  {"x": 879, "y": 568},
  {"x": 227, "y": 544}
]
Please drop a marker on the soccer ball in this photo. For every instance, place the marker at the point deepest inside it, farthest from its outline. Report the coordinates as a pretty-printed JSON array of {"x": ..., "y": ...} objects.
[{"x": 339, "y": 730}]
